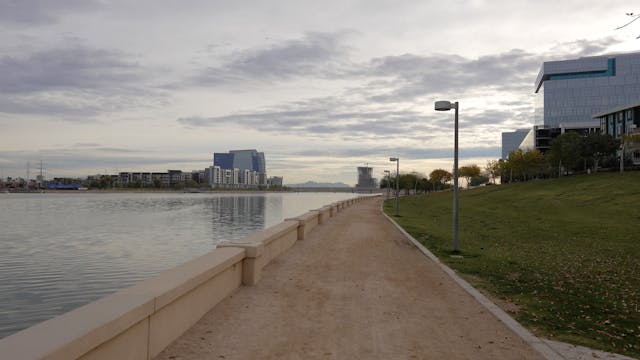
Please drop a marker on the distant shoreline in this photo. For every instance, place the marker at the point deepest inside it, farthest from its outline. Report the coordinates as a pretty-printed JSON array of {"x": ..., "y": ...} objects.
[{"x": 139, "y": 191}]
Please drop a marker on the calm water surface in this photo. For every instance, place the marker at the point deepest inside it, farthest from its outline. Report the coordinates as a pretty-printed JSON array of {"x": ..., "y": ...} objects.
[{"x": 61, "y": 251}]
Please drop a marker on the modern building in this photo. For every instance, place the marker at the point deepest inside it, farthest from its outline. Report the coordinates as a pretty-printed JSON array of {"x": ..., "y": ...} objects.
[
  {"x": 570, "y": 92},
  {"x": 246, "y": 168},
  {"x": 621, "y": 121},
  {"x": 249, "y": 159},
  {"x": 365, "y": 178}
]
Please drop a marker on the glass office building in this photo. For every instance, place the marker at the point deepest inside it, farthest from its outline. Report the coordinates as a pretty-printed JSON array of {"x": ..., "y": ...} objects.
[
  {"x": 243, "y": 160},
  {"x": 568, "y": 93}
]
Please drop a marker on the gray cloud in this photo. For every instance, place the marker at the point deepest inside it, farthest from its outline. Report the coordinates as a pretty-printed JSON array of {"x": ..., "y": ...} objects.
[
  {"x": 581, "y": 48},
  {"x": 329, "y": 117},
  {"x": 314, "y": 55},
  {"x": 74, "y": 82},
  {"x": 401, "y": 79},
  {"x": 41, "y": 12},
  {"x": 412, "y": 76},
  {"x": 75, "y": 67},
  {"x": 394, "y": 78},
  {"x": 35, "y": 104}
]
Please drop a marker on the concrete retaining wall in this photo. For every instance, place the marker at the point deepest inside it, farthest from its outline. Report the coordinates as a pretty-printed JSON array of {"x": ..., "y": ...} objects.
[{"x": 140, "y": 321}]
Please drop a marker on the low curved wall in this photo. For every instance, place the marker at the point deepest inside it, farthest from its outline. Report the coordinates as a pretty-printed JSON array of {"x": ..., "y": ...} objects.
[{"x": 140, "y": 321}]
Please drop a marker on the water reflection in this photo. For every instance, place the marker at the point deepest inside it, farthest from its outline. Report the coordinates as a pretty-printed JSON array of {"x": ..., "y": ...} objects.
[{"x": 245, "y": 212}]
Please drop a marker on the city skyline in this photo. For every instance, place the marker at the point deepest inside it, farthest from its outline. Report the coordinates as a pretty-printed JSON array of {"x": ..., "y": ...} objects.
[{"x": 322, "y": 88}]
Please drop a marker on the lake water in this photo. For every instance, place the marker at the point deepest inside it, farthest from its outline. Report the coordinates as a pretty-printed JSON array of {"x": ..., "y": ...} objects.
[{"x": 60, "y": 251}]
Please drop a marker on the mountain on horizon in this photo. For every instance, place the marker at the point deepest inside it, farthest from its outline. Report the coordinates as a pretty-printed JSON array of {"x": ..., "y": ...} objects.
[{"x": 318, "y": 185}]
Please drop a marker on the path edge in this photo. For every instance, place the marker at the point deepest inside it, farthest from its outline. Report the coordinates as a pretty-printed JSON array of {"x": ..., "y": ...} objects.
[{"x": 536, "y": 343}]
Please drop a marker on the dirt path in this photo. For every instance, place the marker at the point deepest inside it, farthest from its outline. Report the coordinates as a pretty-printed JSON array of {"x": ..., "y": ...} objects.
[{"x": 354, "y": 289}]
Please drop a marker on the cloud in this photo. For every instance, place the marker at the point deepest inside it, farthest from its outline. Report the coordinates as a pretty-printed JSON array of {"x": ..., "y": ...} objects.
[
  {"x": 582, "y": 48},
  {"x": 313, "y": 55},
  {"x": 330, "y": 117},
  {"x": 72, "y": 67},
  {"x": 74, "y": 81},
  {"x": 41, "y": 12},
  {"x": 405, "y": 78},
  {"x": 414, "y": 76}
]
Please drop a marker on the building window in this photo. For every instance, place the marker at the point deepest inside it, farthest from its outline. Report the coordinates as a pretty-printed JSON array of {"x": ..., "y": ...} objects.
[{"x": 610, "y": 125}]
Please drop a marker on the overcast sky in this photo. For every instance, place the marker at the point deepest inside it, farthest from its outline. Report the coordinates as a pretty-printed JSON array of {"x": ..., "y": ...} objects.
[{"x": 321, "y": 87}]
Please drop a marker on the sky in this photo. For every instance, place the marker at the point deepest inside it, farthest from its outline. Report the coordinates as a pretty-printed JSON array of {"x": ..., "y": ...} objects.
[{"x": 321, "y": 87}]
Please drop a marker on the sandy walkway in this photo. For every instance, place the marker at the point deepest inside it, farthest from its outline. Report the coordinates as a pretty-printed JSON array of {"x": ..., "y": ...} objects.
[{"x": 355, "y": 289}]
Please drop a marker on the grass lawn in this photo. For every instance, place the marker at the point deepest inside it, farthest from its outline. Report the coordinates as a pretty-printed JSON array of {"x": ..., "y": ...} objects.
[{"x": 562, "y": 255}]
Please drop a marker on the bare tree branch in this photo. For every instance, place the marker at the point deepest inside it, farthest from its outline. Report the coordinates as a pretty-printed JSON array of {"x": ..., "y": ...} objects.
[{"x": 635, "y": 17}]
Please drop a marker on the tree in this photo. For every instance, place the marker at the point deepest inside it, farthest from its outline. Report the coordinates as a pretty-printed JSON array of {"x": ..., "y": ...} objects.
[
  {"x": 535, "y": 164},
  {"x": 468, "y": 172},
  {"x": 408, "y": 182},
  {"x": 524, "y": 165},
  {"x": 494, "y": 169},
  {"x": 597, "y": 146},
  {"x": 565, "y": 151},
  {"x": 424, "y": 185},
  {"x": 439, "y": 177},
  {"x": 515, "y": 164},
  {"x": 479, "y": 180}
]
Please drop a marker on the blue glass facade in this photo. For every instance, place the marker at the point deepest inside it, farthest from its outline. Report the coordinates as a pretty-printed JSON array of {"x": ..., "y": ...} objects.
[{"x": 224, "y": 160}]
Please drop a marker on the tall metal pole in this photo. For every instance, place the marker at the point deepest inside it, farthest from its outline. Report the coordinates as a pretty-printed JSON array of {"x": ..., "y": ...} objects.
[
  {"x": 388, "y": 183},
  {"x": 455, "y": 181},
  {"x": 397, "y": 186}
]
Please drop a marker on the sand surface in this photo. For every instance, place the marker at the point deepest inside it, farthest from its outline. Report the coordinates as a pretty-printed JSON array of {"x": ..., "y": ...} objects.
[{"x": 354, "y": 289}]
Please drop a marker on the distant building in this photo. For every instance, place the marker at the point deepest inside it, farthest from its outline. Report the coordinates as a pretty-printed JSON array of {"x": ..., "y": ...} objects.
[
  {"x": 239, "y": 168},
  {"x": 365, "y": 178},
  {"x": 235, "y": 169},
  {"x": 274, "y": 181}
]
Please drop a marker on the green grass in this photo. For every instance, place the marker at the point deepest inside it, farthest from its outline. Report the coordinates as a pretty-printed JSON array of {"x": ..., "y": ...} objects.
[{"x": 562, "y": 255}]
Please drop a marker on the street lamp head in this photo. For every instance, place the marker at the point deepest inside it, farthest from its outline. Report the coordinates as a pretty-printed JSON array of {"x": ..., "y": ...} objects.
[
  {"x": 393, "y": 159},
  {"x": 444, "y": 105}
]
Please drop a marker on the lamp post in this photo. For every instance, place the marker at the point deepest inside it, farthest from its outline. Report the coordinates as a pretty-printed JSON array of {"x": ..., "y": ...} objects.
[
  {"x": 388, "y": 182},
  {"x": 397, "y": 160},
  {"x": 446, "y": 106}
]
